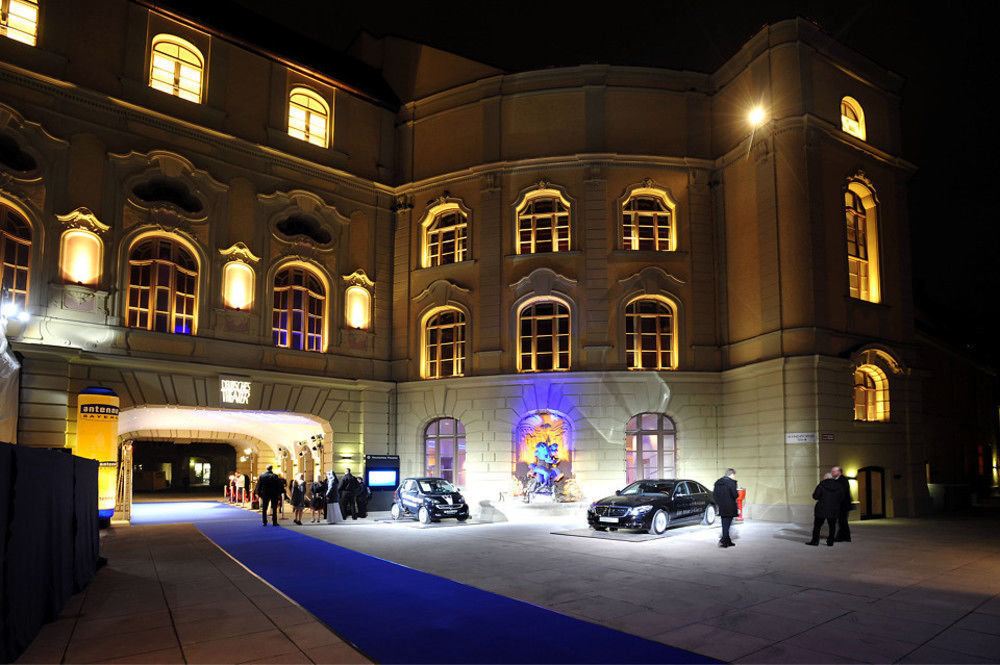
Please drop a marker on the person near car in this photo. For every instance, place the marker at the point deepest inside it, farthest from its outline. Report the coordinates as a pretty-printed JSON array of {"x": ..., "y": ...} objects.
[
  {"x": 363, "y": 495},
  {"x": 348, "y": 495},
  {"x": 317, "y": 502},
  {"x": 270, "y": 488},
  {"x": 726, "y": 493},
  {"x": 843, "y": 529},
  {"x": 298, "y": 499},
  {"x": 829, "y": 495}
]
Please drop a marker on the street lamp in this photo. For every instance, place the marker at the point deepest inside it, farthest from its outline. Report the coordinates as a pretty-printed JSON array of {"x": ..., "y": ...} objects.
[{"x": 756, "y": 116}]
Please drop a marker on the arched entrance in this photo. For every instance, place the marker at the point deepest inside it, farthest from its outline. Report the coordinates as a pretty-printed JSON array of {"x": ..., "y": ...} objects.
[{"x": 871, "y": 492}]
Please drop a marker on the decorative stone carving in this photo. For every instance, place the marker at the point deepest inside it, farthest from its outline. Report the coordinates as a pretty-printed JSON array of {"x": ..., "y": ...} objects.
[
  {"x": 241, "y": 252},
  {"x": 358, "y": 278},
  {"x": 651, "y": 280},
  {"x": 543, "y": 282},
  {"x": 441, "y": 292},
  {"x": 83, "y": 218}
]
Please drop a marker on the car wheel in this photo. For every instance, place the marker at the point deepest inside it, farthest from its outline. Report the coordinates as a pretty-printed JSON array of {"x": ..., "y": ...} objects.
[
  {"x": 710, "y": 514},
  {"x": 599, "y": 528},
  {"x": 462, "y": 518},
  {"x": 424, "y": 515},
  {"x": 659, "y": 523},
  {"x": 395, "y": 512}
]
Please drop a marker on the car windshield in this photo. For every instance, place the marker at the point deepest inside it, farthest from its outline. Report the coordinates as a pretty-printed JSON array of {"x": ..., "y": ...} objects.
[
  {"x": 648, "y": 487},
  {"x": 435, "y": 485}
]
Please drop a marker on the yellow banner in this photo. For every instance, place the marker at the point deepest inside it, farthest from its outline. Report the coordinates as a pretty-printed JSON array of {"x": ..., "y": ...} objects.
[{"x": 97, "y": 438}]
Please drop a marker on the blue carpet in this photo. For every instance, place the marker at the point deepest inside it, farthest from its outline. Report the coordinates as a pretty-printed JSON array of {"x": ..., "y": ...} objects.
[
  {"x": 170, "y": 512},
  {"x": 395, "y": 614}
]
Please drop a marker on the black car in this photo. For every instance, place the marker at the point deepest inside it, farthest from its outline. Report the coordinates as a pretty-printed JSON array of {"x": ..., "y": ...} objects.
[
  {"x": 428, "y": 499},
  {"x": 653, "y": 506}
]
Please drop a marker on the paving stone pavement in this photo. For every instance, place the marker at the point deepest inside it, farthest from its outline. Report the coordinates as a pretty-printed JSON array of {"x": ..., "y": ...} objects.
[{"x": 169, "y": 595}]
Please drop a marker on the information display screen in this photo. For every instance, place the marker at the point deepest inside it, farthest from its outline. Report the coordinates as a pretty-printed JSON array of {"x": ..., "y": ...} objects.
[{"x": 383, "y": 477}]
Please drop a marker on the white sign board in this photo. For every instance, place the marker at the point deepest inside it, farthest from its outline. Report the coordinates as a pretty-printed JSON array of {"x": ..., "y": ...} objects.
[
  {"x": 800, "y": 437},
  {"x": 234, "y": 390}
]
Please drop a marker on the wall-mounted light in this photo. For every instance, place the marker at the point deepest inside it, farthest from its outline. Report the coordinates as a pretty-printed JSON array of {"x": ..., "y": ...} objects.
[
  {"x": 237, "y": 285},
  {"x": 357, "y": 307},
  {"x": 80, "y": 257},
  {"x": 756, "y": 116}
]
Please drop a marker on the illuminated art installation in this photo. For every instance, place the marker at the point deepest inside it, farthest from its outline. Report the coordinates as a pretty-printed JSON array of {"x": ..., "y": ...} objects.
[{"x": 542, "y": 458}]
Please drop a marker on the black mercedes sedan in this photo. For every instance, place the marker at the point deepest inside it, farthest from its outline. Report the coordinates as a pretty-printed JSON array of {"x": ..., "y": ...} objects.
[
  {"x": 653, "y": 506},
  {"x": 428, "y": 499}
]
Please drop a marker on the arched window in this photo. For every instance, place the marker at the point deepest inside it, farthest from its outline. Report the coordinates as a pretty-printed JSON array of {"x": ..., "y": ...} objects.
[
  {"x": 19, "y": 20},
  {"x": 15, "y": 254},
  {"x": 176, "y": 67},
  {"x": 648, "y": 224},
  {"x": 871, "y": 394},
  {"x": 446, "y": 238},
  {"x": 862, "y": 242},
  {"x": 543, "y": 225},
  {"x": 650, "y": 334},
  {"x": 299, "y": 320},
  {"x": 650, "y": 447},
  {"x": 444, "y": 344},
  {"x": 852, "y": 117},
  {"x": 444, "y": 450},
  {"x": 162, "y": 286},
  {"x": 544, "y": 337},
  {"x": 308, "y": 116}
]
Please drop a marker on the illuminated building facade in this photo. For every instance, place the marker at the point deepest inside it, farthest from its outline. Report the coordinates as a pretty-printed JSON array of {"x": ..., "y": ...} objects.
[{"x": 404, "y": 251}]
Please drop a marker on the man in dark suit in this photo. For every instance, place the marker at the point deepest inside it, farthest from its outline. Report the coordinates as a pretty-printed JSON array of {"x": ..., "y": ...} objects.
[
  {"x": 269, "y": 488},
  {"x": 348, "y": 495},
  {"x": 843, "y": 530},
  {"x": 725, "y": 494},
  {"x": 829, "y": 495}
]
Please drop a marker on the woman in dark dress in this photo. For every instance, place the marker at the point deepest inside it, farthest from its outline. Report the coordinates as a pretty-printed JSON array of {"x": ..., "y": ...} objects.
[
  {"x": 318, "y": 500},
  {"x": 298, "y": 499}
]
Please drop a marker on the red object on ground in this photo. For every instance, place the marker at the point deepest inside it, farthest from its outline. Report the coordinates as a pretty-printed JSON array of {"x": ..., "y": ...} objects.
[{"x": 741, "y": 495}]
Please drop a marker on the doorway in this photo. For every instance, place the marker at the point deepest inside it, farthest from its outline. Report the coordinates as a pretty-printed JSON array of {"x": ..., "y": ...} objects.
[{"x": 871, "y": 492}]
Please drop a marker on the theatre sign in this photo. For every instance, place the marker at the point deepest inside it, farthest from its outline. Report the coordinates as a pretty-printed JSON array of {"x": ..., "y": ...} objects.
[{"x": 234, "y": 390}]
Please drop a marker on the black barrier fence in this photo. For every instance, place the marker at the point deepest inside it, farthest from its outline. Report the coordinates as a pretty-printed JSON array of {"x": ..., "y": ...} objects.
[{"x": 50, "y": 538}]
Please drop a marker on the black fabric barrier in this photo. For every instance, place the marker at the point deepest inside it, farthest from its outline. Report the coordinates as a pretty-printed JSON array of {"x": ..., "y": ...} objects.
[{"x": 48, "y": 513}]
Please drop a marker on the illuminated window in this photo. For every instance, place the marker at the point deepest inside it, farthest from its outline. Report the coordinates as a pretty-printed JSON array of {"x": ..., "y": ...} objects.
[
  {"x": 871, "y": 394},
  {"x": 15, "y": 252},
  {"x": 650, "y": 335},
  {"x": 543, "y": 225},
  {"x": 647, "y": 224},
  {"x": 81, "y": 257},
  {"x": 446, "y": 239},
  {"x": 19, "y": 20},
  {"x": 862, "y": 242},
  {"x": 357, "y": 307},
  {"x": 444, "y": 450},
  {"x": 176, "y": 68},
  {"x": 444, "y": 344},
  {"x": 852, "y": 117},
  {"x": 544, "y": 337},
  {"x": 237, "y": 285},
  {"x": 299, "y": 310},
  {"x": 308, "y": 116},
  {"x": 162, "y": 286},
  {"x": 650, "y": 447}
]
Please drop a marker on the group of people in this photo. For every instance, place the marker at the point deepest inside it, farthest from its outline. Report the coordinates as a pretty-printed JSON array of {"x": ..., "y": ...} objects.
[
  {"x": 238, "y": 488},
  {"x": 348, "y": 495},
  {"x": 833, "y": 504}
]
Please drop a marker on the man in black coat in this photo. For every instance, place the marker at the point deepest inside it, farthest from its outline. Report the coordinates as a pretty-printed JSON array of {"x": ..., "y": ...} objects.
[
  {"x": 843, "y": 530},
  {"x": 269, "y": 488},
  {"x": 348, "y": 493},
  {"x": 726, "y": 493},
  {"x": 829, "y": 495}
]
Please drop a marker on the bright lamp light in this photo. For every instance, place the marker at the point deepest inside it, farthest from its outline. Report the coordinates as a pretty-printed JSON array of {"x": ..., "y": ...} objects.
[{"x": 756, "y": 116}]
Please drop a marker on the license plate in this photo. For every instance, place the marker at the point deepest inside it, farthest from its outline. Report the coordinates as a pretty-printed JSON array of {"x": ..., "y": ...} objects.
[{"x": 612, "y": 520}]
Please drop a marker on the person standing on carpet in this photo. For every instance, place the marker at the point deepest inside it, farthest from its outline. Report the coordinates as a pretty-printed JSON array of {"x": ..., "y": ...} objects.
[
  {"x": 318, "y": 500},
  {"x": 725, "y": 494},
  {"x": 348, "y": 494},
  {"x": 269, "y": 488},
  {"x": 298, "y": 499}
]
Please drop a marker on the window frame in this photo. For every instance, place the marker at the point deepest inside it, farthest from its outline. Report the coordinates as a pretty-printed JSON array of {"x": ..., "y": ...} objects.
[
  {"x": 630, "y": 346},
  {"x": 557, "y": 350},
  {"x": 11, "y": 217},
  {"x": 853, "y": 126},
  {"x": 520, "y": 214},
  {"x": 647, "y": 192},
  {"x": 458, "y": 357},
  {"x": 5, "y": 27},
  {"x": 665, "y": 426},
  {"x": 304, "y": 312},
  {"x": 870, "y": 279},
  {"x": 876, "y": 405},
  {"x": 151, "y": 309},
  {"x": 459, "y": 454},
  {"x": 433, "y": 215},
  {"x": 314, "y": 96},
  {"x": 181, "y": 44}
]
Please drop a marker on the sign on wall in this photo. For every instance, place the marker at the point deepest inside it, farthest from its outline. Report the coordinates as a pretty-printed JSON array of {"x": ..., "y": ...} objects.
[
  {"x": 800, "y": 437},
  {"x": 235, "y": 390}
]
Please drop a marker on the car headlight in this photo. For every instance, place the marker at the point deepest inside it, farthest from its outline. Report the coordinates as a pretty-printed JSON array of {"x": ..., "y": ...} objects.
[
  {"x": 592, "y": 508},
  {"x": 640, "y": 510}
]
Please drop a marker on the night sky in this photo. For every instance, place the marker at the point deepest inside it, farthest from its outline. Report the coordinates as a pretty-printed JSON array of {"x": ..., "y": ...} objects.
[{"x": 939, "y": 49}]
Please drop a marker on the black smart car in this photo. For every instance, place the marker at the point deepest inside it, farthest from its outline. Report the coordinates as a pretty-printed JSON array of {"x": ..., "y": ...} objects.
[
  {"x": 654, "y": 505},
  {"x": 429, "y": 499}
]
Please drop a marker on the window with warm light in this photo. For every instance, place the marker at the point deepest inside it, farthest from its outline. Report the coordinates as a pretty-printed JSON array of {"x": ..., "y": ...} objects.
[
  {"x": 15, "y": 254},
  {"x": 871, "y": 394},
  {"x": 852, "y": 117},
  {"x": 543, "y": 225},
  {"x": 862, "y": 243},
  {"x": 176, "y": 68},
  {"x": 19, "y": 20},
  {"x": 650, "y": 334},
  {"x": 308, "y": 116},
  {"x": 162, "y": 286},
  {"x": 650, "y": 447},
  {"x": 444, "y": 344},
  {"x": 444, "y": 450},
  {"x": 299, "y": 318},
  {"x": 647, "y": 224},
  {"x": 81, "y": 254},
  {"x": 446, "y": 239},
  {"x": 357, "y": 307},
  {"x": 238, "y": 285},
  {"x": 544, "y": 337}
]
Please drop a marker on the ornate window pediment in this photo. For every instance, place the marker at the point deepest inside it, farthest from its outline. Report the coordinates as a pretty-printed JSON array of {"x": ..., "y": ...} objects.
[
  {"x": 167, "y": 189},
  {"x": 303, "y": 219}
]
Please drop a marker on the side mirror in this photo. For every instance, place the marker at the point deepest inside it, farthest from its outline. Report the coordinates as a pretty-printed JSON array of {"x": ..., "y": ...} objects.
[{"x": 618, "y": 492}]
